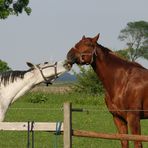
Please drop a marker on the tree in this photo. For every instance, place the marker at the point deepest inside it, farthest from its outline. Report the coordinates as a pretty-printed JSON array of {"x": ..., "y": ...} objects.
[
  {"x": 88, "y": 82},
  {"x": 11, "y": 7},
  {"x": 123, "y": 53},
  {"x": 3, "y": 66},
  {"x": 135, "y": 34}
]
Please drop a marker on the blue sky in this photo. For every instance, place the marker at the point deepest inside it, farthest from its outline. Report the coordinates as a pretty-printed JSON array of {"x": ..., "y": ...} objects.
[{"x": 55, "y": 26}]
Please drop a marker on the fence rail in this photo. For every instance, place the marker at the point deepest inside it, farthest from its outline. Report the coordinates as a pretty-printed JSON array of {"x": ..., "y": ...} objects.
[
  {"x": 23, "y": 126},
  {"x": 91, "y": 134},
  {"x": 66, "y": 129}
]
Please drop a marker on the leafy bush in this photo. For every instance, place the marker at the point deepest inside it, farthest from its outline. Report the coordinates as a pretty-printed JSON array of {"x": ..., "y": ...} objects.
[
  {"x": 37, "y": 97},
  {"x": 4, "y": 66},
  {"x": 88, "y": 82},
  {"x": 59, "y": 98}
]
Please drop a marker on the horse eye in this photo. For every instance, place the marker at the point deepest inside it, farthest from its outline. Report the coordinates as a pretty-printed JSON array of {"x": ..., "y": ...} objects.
[{"x": 45, "y": 62}]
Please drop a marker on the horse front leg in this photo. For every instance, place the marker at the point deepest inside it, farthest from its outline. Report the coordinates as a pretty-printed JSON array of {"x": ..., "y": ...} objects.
[
  {"x": 122, "y": 129},
  {"x": 133, "y": 120}
]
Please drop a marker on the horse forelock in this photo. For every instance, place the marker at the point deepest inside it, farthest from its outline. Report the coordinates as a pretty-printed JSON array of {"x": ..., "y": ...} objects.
[{"x": 11, "y": 76}]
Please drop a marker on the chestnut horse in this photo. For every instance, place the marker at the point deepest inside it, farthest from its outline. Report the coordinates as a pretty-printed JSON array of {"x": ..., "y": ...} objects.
[{"x": 125, "y": 83}]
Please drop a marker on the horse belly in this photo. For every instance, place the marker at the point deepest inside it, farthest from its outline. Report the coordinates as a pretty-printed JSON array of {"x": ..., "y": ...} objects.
[{"x": 144, "y": 114}]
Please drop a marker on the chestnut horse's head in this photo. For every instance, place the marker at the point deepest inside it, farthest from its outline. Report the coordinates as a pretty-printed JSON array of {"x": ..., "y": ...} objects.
[{"x": 83, "y": 51}]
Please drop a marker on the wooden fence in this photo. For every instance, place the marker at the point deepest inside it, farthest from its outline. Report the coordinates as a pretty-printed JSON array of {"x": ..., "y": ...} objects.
[
  {"x": 69, "y": 132},
  {"x": 23, "y": 126},
  {"x": 66, "y": 129}
]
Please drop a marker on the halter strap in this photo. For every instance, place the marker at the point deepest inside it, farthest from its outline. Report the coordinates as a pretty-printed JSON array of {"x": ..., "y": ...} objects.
[
  {"x": 89, "y": 54},
  {"x": 48, "y": 81}
]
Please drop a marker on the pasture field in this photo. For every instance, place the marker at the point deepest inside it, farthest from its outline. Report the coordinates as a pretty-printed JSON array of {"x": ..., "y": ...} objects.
[{"x": 48, "y": 108}]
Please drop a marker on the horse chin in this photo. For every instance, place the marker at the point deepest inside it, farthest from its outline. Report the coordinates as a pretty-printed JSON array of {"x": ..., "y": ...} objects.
[
  {"x": 81, "y": 63},
  {"x": 69, "y": 66}
]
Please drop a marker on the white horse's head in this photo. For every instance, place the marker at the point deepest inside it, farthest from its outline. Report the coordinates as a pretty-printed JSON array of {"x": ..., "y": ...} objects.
[
  {"x": 48, "y": 71},
  {"x": 14, "y": 84}
]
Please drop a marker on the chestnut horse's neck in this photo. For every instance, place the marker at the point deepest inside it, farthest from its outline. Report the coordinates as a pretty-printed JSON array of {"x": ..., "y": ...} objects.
[{"x": 111, "y": 69}]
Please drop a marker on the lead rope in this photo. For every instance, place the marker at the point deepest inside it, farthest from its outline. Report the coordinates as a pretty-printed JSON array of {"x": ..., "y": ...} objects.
[
  {"x": 57, "y": 133},
  {"x": 28, "y": 135},
  {"x": 30, "y": 129}
]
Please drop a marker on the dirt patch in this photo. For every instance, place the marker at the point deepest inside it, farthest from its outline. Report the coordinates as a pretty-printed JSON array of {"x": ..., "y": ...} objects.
[{"x": 52, "y": 88}]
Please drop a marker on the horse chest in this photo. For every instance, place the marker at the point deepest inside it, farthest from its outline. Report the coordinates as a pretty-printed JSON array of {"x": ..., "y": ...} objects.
[{"x": 115, "y": 106}]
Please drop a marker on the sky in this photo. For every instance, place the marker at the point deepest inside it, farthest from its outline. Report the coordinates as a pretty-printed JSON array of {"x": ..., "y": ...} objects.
[{"x": 54, "y": 27}]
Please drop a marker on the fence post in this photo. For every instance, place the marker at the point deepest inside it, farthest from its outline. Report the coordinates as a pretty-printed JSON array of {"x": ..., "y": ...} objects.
[{"x": 67, "y": 125}]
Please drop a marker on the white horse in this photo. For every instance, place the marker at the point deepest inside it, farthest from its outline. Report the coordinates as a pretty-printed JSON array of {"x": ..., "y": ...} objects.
[{"x": 14, "y": 84}]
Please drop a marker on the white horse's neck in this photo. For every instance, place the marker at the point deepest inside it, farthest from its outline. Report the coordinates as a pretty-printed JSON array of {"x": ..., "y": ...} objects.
[
  {"x": 11, "y": 91},
  {"x": 31, "y": 79},
  {"x": 17, "y": 83}
]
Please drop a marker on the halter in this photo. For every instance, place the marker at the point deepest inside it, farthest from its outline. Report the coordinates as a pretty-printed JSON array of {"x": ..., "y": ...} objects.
[
  {"x": 48, "y": 81},
  {"x": 89, "y": 54}
]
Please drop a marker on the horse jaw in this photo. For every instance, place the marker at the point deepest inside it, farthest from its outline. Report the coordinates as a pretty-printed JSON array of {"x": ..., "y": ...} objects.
[{"x": 61, "y": 68}]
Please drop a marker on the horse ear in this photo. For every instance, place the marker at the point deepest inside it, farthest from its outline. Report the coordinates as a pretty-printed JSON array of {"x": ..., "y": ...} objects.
[
  {"x": 95, "y": 39},
  {"x": 30, "y": 65},
  {"x": 83, "y": 37}
]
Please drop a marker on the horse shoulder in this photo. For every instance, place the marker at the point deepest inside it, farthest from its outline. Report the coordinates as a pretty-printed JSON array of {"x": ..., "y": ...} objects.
[{"x": 137, "y": 84}]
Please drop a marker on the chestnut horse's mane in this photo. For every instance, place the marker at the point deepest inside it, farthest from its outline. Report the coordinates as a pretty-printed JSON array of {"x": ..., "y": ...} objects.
[{"x": 116, "y": 57}]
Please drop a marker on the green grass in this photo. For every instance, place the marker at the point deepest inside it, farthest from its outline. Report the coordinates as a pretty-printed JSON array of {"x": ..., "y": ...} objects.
[{"x": 50, "y": 111}]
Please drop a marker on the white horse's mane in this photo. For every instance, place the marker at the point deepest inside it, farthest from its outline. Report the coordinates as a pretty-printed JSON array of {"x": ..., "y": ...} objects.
[{"x": 11, "y": 76}]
